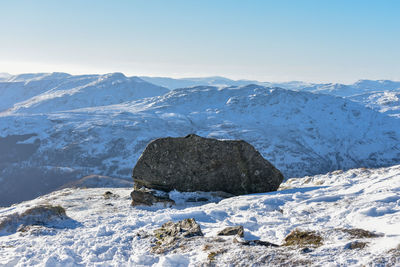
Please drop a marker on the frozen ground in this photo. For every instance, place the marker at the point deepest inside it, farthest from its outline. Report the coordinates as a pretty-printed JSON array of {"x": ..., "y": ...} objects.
[{"x": 110, "y": 232}]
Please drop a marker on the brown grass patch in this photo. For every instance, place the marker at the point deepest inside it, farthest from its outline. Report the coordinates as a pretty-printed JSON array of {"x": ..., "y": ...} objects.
[
  {"x": 358, "y": 233},
  {"x": 303, "y": 238}
]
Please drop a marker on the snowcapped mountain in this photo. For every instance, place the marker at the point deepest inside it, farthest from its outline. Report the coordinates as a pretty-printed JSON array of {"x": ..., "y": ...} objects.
[
  {"x": 359, "y": 87},
  {"x": 4, "y": 76},
  {"x": 217, "y": 81},
  {"x": 355, "y": 214},
  {"x": 387, "y": 102},
  {"x": 50, "y": 92},
  {"x": 338, "y": 89},
  {"x": 381, "y": 95},
  {"x": 301, "y": 133}
]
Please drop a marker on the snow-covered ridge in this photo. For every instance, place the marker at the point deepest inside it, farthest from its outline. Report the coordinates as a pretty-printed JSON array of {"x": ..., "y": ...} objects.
[
  {"x": 387, "y": 102},
  {"x": 300, "y": 133},
  {"x": 360, "y": 86},
  {"x": 371, "y": 93},
  {"x": 50, "y": 92},
  {"x": 108, "y": 231},
  {"x": 31, "y": 92}
]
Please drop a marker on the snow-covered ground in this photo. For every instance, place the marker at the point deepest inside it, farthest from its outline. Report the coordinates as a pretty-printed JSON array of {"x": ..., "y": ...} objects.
[{"x": 110, "y": 232}]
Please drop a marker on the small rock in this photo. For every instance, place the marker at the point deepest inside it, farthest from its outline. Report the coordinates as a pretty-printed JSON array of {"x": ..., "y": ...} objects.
[
  {"x": 305, "y": 250},
  {"x": 36, "y": 230},
  {"x": 184, "y": 228},
  {"x": 109, "y": 194},
  {"x": 258, "y": 243},
  {"x": 232, "y": 230},
  {"x": 37, "y": 215},
  {"x": 148, "y": 198},
  {"x": 355, "y": 245},
  {"x": 170, "y": 233}
]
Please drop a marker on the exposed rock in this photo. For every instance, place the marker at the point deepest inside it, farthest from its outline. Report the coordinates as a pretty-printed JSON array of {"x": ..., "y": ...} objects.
[
  {"x": 232, "y": 230},
  {"x": 170, "y": 233},
  {"x": 194, "y": 163},
  {"x": 258, "y": 243},
  {"x": 356, "y": 245},
  {"x": 148, "y": 197},
  {"x": 184, "y": 228},
  {"x": 37, "y": 230},
  {"x": 305, "y": 250},
  {"x": 38, "y": 215},
  {"x": 109, "y": 194},
  {"x": 211, "y": 256}
]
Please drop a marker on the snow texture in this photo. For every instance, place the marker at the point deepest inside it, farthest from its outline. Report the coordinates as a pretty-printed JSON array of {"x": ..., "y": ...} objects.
[{"x": 110, "y": 232}]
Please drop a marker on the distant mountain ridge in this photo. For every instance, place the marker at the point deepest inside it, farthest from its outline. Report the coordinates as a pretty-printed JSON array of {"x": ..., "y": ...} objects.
[
  {"x": 381, "y": 95},
  {"x": 50, "y": 92},
  {"x": 360, "y": 86}
]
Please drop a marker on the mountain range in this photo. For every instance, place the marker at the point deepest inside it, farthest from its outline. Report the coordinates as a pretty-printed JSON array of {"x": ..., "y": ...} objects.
[{"x": 57, "y": 128}]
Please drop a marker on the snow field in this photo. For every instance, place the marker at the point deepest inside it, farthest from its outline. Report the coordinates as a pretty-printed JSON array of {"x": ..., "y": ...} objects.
[{"x": 110, "y": 232}]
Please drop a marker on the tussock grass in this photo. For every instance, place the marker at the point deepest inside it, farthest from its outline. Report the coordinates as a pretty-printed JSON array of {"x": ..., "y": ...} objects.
[{"x": 303, "y": 238}]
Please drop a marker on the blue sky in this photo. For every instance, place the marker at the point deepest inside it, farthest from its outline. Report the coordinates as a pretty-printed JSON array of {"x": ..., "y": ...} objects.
[{"x": 309, "y": 40}]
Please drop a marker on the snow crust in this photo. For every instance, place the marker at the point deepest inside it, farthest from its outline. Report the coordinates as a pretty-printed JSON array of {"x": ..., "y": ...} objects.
[{"x": 110, "y": 232}]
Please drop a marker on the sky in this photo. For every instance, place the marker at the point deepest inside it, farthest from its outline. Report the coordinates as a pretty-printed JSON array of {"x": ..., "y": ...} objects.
[{"x": 307, "y": 40}]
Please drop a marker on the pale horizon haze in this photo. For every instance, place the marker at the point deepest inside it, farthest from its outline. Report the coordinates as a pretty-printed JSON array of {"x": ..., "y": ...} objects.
[{"x": 308, "y": 40}]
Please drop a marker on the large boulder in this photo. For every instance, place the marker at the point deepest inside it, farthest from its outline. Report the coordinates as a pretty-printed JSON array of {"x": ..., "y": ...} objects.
[{"x": 194, "y": 163}]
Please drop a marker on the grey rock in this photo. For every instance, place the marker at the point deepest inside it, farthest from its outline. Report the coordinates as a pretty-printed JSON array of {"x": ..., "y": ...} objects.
[
  {"x": 305, "y": 250},
  {"x": 194, "y": 163},
  {"x": 170, "y": 234},
  {"x": 148, "y": 198},
  {"x": 258, "y": 243},
  {"x": 184, "y": 228},
  {"x": 36, "y": 215},
  {"x": 355, "y": 245},
  {"x": 109, "y": 195},
  {"x": 232, "y": 230}
]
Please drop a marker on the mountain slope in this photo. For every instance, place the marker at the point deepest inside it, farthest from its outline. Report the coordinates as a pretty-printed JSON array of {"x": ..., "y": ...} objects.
[
  {"x": 43, "y": 93},
  {"x": 387, "y": 102},
  {"x": 370, "y": 93},
  {"x": 300, "y": 133},
  {"x": 344, "y": 208}
]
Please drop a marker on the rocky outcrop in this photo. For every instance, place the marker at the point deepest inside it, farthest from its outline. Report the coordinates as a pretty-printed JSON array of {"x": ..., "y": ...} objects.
[
  {"x": 144, "y": 196},
  {"x": 194, "y": 163},
  {"x": 232, "y": 230},
  {"x": 170, "y": 233},
  {"x": 37, "y": 215}
]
